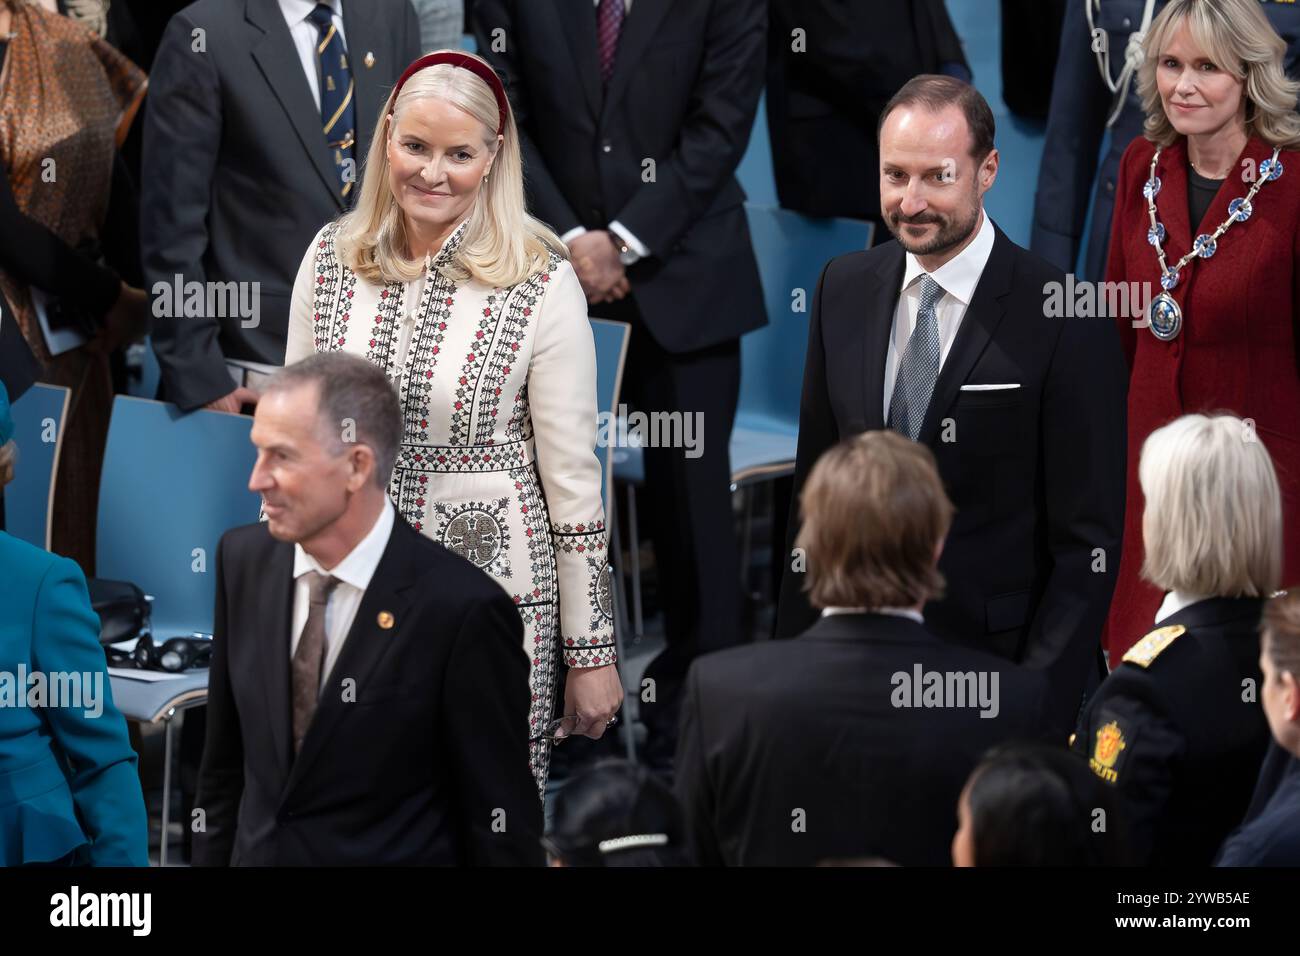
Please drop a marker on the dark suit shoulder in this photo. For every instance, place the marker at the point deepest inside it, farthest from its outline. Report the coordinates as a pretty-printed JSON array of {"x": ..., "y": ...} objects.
[
  {"x": 1187, "y": 671},
  {"x": 255, "y": 538},
  {"x": 1032, "y": 269},
  {"x": 846, "y": 268}
]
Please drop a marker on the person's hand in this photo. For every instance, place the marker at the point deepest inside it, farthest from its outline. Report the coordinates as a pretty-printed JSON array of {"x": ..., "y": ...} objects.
[
  {"x": 596, "y": 261},
  {"x": 124, "y": 322},
  {"x": 594, "y": 694},
  {"x": 234, "y": 401},
  {"x": 621, "y": 288}
]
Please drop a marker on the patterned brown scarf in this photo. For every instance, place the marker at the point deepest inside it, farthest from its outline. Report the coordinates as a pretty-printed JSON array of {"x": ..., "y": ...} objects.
[{"x": 67, "y": 99}]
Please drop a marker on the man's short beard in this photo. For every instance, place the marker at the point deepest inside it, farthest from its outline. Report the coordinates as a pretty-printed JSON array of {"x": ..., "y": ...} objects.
[{"x": 950, "y": 235}]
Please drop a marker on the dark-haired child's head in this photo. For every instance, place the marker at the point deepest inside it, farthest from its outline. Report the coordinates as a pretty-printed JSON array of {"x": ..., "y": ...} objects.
[
  {"x": 615, "y": 813},
  {"x": 1034, "y": 805}
]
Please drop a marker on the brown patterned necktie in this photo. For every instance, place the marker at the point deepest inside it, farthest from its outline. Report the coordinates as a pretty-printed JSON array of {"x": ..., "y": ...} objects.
[{"x": 309, "y": 657}]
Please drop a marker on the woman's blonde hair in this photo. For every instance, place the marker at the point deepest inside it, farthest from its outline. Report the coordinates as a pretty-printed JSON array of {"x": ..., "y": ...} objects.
[
  {"x": 1237, "y": 37},
  {"x": 502, "y": 244},
  {"x": 1212, "y": 524}
]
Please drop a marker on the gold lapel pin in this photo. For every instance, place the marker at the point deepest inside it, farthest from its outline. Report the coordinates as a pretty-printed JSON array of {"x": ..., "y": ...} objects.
[
  {"x": 369, "y": 60},
  {"x": 385, "y": 620}
]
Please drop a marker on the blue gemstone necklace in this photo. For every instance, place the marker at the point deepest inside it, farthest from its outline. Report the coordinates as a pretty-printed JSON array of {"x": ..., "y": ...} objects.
[{"x": 1165, "y": 315}]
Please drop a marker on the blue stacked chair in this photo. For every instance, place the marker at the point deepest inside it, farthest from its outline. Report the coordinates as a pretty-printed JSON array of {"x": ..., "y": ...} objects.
[{"x": 38, "y": 431}]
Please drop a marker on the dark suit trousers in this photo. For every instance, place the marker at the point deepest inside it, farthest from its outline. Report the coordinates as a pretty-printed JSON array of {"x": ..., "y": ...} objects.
[{"x": 688, "y": 500}]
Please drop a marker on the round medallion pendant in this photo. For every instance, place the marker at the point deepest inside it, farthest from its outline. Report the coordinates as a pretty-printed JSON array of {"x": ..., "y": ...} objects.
[{"x": 1166, "y": 317}]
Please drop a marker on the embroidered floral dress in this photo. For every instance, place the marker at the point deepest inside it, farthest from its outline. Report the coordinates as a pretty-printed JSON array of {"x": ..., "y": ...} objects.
[{"x": 497, "y": 462}]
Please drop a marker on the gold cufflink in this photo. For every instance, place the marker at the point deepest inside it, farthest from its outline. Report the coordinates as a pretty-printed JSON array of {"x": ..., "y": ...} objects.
[
  {"x": 385, "y": 620},
  {"x": 369, "y": 60}
]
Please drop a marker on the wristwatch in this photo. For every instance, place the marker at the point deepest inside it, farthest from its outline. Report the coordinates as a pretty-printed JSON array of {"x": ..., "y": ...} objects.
[{"x": 626, "y": 254}]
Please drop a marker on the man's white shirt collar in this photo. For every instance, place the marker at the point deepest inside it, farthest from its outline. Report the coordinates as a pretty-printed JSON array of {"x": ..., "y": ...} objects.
[
  {"x": 906, "y": 612},
  {"x": 359, "y": 566},
  {"x": 295, "y": 11},
  {"x": 961, "y": 274}
]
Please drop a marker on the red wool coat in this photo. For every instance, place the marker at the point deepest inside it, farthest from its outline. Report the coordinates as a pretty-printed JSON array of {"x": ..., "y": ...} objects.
[{"x": 1237, "y": 350}]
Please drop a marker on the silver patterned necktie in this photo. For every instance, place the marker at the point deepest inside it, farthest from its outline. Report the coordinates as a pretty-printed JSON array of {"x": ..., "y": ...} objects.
[{"x": 919, "y": 367}]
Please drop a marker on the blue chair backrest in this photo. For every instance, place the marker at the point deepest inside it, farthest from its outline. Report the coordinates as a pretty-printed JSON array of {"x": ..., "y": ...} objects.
[
  {"x": 38, "y": 432},
  {"x": 792, "y": 250},
  {"x": 172, "y": 485},
  {"x": 146, "y": 386},
  {"x": 755, "y": 172},
  {"x": 611, "y": 351}
]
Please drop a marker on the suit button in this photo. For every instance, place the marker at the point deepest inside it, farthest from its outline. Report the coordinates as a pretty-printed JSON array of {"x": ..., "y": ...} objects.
[
  {"x": 1127, "y": 23},
  {"x": 1110, "y": 186},
  {"x": 606, "y": 146}
]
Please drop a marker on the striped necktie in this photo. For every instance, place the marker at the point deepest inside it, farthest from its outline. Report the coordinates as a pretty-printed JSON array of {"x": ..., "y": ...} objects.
[
  {"x": 308, "y": 662},
  {"x": 335, "y": 94},
  {"x": 609, "y": 25},
  {"x": 918, "y": 369}
]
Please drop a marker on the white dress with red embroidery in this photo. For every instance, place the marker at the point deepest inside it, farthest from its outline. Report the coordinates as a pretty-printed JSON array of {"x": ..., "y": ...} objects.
[{"x": 497, "y": 462}]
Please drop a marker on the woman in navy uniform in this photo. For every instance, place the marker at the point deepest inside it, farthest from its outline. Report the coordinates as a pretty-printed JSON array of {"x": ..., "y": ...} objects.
[
  {"x": 1177, "y": 727},
  {"x": 1273, "y": 837},
  {"x": 69, "y": 791}
]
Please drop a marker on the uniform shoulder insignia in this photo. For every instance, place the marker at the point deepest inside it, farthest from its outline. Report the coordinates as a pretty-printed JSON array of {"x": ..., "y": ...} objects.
[{"x": 1148, "y": 649}]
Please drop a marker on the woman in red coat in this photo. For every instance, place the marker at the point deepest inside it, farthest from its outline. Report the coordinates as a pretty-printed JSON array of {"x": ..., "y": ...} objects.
[{"x": 1207, "y": 216}]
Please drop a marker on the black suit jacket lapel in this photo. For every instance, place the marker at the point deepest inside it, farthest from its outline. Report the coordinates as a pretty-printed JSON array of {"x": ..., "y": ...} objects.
[
  {"x": 977, "y": 326},
  {"x": 367, "y": 95},
  {"x": 366, "y": 644},
  {"x": 578, "y": 24},
  {"x": 277, "y": 58},
  {"x": 638, "y": 30},
  {"x": 275, "y": 652},
  {"x": 879, "y": 302}
]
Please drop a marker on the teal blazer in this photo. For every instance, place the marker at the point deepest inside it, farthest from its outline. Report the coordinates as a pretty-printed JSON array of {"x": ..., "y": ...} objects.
[{"x": 69, "y": 788}]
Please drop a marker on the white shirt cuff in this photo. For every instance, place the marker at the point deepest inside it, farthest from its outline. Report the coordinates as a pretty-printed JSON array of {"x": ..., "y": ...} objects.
[
  {"x": 572, "y": 234},
  {"x": 632, "y": 241}
]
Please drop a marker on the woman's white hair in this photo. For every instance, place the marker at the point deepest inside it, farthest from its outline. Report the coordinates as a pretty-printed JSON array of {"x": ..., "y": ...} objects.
[
  {"x": 1212, "y": 524},
  {"x": 502, "y": 244},
  {"x": 1238, "y": 38}
]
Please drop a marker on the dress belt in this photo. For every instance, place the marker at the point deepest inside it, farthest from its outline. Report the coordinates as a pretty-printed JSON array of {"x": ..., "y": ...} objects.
[{"x": 506, "y": 456}]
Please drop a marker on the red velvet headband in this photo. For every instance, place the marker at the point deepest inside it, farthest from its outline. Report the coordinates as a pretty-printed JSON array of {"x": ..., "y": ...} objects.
[{"x": 481, "y": 70}]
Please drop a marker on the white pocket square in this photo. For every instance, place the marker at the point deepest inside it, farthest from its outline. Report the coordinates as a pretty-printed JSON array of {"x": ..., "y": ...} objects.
[{"x": 989, "y": 388}]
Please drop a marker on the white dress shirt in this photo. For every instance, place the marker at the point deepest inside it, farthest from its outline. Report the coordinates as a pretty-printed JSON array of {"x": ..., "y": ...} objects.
[
  {"x": 306, "y": 38},
  {"x": 1175, "y": 601},
  {"x": 616, "y": 227},
  {"x": 354, "y": 573},
  {"x": 910, "y": 613},
  {"x": 958, "y": 278}
]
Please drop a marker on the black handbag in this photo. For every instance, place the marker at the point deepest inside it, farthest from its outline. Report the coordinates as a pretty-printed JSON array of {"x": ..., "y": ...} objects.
[{"x": 122, "y": 607}]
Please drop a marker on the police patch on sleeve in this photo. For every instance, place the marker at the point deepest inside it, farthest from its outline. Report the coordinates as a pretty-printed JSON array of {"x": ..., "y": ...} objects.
[{"x": 1112, "y": 741}]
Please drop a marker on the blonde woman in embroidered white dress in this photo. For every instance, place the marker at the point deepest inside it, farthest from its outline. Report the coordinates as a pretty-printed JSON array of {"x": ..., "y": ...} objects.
[{"x": 440, "y": 277}]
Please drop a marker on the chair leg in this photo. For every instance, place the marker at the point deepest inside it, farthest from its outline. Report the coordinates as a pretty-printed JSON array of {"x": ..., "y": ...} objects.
[
  {"x": 746, "y": 537},
  {"x": 634, "y": 565},
  {"x": 167, "y": 788},
  {"x": 630, "y": 700}
]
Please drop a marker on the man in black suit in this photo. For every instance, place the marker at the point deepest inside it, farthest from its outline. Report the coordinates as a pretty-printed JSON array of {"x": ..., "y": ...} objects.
[
  {"x": 239, "y": 172},
  {"x": 855, "y": 739},
  {"x": 830, "y": 72},
  {"x": 633, "y": 116},
  {"x": 947, "y": 336},
  {"x": 368, "y": 698}
]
